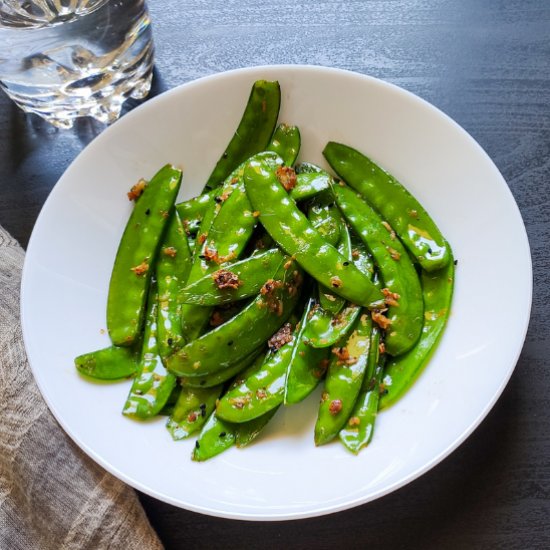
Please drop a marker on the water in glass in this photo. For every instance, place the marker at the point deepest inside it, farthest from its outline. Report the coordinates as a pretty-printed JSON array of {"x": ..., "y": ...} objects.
[{"x": 63, "y": 59}]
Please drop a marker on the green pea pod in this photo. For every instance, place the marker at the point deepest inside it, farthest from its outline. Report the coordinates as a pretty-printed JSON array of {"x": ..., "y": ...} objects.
[
  {"x": 306, "y": 366},
  {"x": 235, "y": 281},
  {"x": 343, "y": 381},
  {"x": 310, "y": 184},
  {"x": 361, "y": 256},
  {"x": 136, "y": 255},
  {"x": 328, "y": 300},
  {"x": 294, "y": 233},
  {"x": 193, "y": 407},
  {"x": 231, "y": 227},
  {"x": 193, "y": 210},
  {"x": 359, "y": 429},
  {"x": 216, "y": 437},
  {"x": 112, "y": 363},
  {"x": 209, "y": 380},
  {"x": 228, "y": 343},
  {"x": 247, "y": 432},
  {"x": 173, "y": 266},
  {"x": 254, "y": 131},
  {"x": 152, "y": 387},
  {"x": 395, "y": 204},
  {"x": 326, "y": 219},
  {"x": 325, "y": 329},
  {"x": 260, "y": 392},
  {"x": 401, "y": 372},
  {"x": 286, "y": 143},
  {"x": 398, "y": 274},
  {"x": 168, "y": 408}
]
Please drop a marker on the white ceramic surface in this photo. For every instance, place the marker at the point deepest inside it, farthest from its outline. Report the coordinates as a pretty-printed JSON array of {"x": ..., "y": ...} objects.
[{"x": 283, "y": 475}]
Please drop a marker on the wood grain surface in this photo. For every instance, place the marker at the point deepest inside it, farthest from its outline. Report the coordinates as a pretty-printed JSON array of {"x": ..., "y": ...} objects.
[{"x": 486, "y": 63}]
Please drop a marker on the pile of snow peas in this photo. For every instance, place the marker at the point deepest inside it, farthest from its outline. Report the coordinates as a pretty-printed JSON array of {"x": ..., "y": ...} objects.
[{"x": 277, "y": 278}]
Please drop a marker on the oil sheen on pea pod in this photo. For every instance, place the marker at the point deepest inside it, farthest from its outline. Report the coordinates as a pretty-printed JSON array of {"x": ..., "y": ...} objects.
[
  {"x": 193, "y": 407},
  {"x": 234, "y": 281},
  {"x": 209, "y": 380},
  {"x": 254, "y": 131},
  {"x": 111, "y": 363},
  {"x": 224, "y": 234},
  {"x": 307, "y": 364},
  {"x": 286, "y": 143},
  {"x": 250, "y": 328},
  {"x": 343, "y": 380},
  {"x": 309, "y": 184},
  {"x": 173, "y": 264},
  {"x": 193, "y": 210},
  {"x": 395, "y": 204},
  {"x": 215, "y": 437},
  {"x": 153, "y": 385},
  {"x": 325, "y": 329},
  {"x": 328, "y": 300},
  {"x": 401, "y": 372},
  {"x": 402, "y": 290},
  {"x": 136, "y": 255},
  {"x": 288, "y": 226},
  {"x": 359, "y": 429},
  {"x": 258, "y": 393}
]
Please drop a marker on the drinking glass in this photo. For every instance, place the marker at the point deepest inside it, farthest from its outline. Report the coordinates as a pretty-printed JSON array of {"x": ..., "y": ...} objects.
[{"x": 64, "y": 59}]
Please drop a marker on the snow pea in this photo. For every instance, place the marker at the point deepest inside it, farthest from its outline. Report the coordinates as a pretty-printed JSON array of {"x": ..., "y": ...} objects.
[
  {"x": 254, "y": 131},
  {"x": 343, "y": 381},
  {"x": 359, "y": 429},
  {"x": 238, "y": 337},
  {"x": 328, "y": 300},
  {"x": 287, "y": 225},
  {"x": 193, "y": 407},
  {"x": 324, "y": 329},
  {"x": 209, "y": 380},
  {"x": 168, "y": 408},
  {"x": 193, "y": 210},
  {"x": 235, "y": 281},
  {"x": 309, "y": 184},
  {"x": 361, "y": 257},
  {"x": 286, "y": 143},
  {"x": 326, "y": 219},
  {"x": 111, "y": 363},
  {"x": 406, "y": 216},
  {"x": 401, "y": 372},
  {"x": 174, "y": 262},
  {"x": 258, "y": 393},
  {"x": 402, "y": 285},
  {"x": 231, "y": 226},
  {"x": 153, "y": 385},
  {"x": 136, "y": 255},
  {"x": 215, "y": 437},
  {"x": 306, "y": 365}
]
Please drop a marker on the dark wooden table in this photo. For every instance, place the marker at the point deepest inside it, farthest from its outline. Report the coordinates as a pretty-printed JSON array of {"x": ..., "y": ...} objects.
[{"x": 487, "y": 65}]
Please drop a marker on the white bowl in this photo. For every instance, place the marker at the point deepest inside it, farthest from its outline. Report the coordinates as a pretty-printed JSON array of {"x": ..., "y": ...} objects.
[{"x": 283, "y": 475}]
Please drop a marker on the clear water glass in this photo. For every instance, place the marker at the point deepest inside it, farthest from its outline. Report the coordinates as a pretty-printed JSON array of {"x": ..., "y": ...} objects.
[{"x": 64, "y": 59}]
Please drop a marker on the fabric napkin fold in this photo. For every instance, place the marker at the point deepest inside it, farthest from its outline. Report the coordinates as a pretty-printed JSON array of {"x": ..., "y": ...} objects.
[{"x": 52, "y": 496}]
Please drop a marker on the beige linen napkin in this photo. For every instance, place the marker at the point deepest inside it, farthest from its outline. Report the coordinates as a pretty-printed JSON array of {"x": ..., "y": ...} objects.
[{"x": 52, "y": 496}]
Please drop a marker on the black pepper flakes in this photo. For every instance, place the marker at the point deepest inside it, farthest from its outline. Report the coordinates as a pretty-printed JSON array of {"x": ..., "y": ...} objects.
[
  {"x": 222, "y": 434},
  {"x": 148, "y": 212}
]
